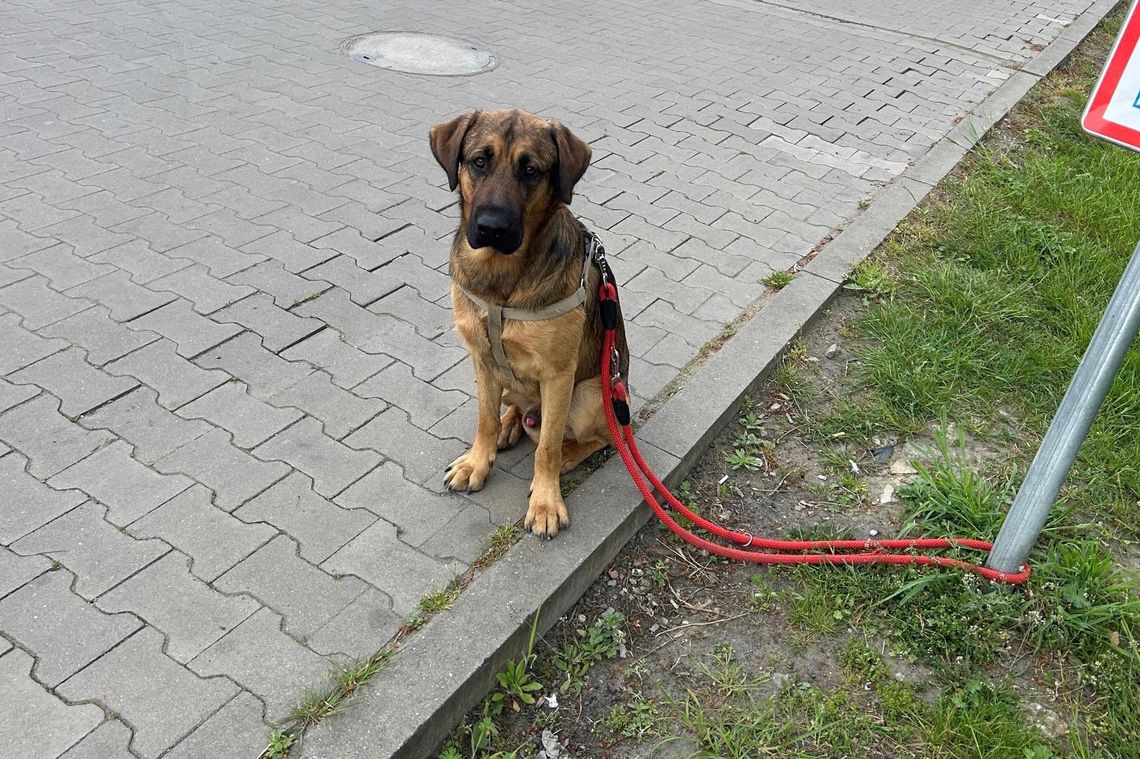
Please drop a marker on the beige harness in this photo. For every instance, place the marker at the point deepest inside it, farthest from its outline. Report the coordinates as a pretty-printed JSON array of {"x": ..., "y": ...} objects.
[{"x": 496, "y": 314}]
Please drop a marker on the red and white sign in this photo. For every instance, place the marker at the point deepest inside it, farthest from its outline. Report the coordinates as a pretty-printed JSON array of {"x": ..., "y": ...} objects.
[{"x": 1113, "y": 112}]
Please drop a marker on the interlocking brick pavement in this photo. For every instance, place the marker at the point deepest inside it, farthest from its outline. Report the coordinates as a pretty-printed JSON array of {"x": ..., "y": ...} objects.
[{"x": 228, "y": 380}]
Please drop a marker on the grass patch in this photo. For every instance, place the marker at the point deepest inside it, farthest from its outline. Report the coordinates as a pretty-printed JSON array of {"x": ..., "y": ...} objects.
[
  {"x": 321, "y": 703},
  {"x": 778, "y": 280},
  {"x": 439, "y": 600},
  {"x": 982, "y": 304}
]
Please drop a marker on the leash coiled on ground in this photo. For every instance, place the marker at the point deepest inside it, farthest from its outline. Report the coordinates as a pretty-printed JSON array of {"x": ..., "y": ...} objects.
[{"x": 615, "y": 401}]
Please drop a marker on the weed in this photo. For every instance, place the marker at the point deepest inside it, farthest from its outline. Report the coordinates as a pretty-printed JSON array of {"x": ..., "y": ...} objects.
[
  {"x": 601, "y": 640},
  {"x": 501, "y": 540},
  {"x": 778, "y": 280},
  {"x": 280, "y": 741},
  {"x": 742, "y": 459},
  {"x": 638, "y": 718},
  {"x": 439, "y": 600}
]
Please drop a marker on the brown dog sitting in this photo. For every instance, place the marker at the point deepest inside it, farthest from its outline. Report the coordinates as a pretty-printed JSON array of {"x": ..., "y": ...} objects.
[{"x": 525, "y": 294}]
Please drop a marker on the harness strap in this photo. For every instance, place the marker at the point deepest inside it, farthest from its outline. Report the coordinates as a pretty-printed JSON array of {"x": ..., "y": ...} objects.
[{"x": 496, "y": 313}]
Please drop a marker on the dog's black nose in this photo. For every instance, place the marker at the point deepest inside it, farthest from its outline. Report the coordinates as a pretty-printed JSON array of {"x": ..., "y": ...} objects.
[{"x": 493, "y": 227}]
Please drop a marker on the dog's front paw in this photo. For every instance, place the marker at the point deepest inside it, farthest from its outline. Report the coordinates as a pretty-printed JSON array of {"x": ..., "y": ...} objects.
[
  {"x": 469, "y": 471},
  {"x": 547, "y": 512}
]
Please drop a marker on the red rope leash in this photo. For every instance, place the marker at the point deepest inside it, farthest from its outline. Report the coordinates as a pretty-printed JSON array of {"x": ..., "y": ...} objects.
[{"x": 616, "y": 403}]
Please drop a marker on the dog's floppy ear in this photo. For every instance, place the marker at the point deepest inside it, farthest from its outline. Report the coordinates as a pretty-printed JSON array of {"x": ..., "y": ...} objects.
[
  {"x": 573, "y": 158},
  {"x": 447, "y": 142}
]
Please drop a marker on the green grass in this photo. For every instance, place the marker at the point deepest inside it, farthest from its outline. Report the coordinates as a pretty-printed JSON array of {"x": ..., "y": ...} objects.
[
  {"x": 976, "y": 312},
  {"x": 439, "y": 600},
  {"x": 321, "y": 703},
  {"x": 778, "y": 280},
  {"x": 985, "y": 301}
]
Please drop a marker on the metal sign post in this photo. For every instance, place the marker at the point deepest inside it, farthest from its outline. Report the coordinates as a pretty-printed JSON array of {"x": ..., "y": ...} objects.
[{"x": 1113, "y": 114}]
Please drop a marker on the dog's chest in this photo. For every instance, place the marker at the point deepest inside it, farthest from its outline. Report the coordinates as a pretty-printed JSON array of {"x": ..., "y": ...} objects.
[{"x": 534, "y": 349}]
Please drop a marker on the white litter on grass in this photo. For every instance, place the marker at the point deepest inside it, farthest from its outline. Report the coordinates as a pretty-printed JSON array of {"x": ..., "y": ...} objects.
[
  {"x": 551, "y": 701},
  {"x": 552, "y": 748}
]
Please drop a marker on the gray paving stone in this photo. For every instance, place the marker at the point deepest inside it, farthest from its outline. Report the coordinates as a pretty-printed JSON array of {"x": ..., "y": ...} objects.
[
  {"x": 8, "y": 275},
  {"x": 287, "y": 289},
  {"x": 205, "y": 291},
  {"x": 340, "y": 411},
  {"x": 361, "y": 629},
  {"x": 386, "y": 493},
  {"x": 16, "y": 570},
  {"x": 190, "y": 613},
  {"x": 143, "y": 264},
  {"x": 307, "y": 597},
  {"x": 232, "y": 408},
  {"x": 424, "y": 403},
  {"x": 103, "y": 338},
  {"x": 121, "y": 296},
  {"x": 406, "y": 304},
  {"x": 231, "y": 473},
  {"x": 424, "y": 456},
  {"x": 159, "y": 366},
  {"x": 464, "y": 537},
  {"x": 157, "y": 696},
  {"x": 264, "y": 372},
  {"x": 347, "y": 365},
  {"x": 302, "y": 227},
  {"x": 151, "y": 429},
  {"x": 277, "y": 327},
  {"x": 294, "y": 256},
  {"x": 13, "y": 395},
  {"x": 237, "y": 730},
  {"x": 98, "y": 554},
  {"x": 128, "y": 488},
  {"x": 227, "y": 225},
  {"x": 371, "y": 226},
  {"x": 332, "y": 465},
  {"x": 49, "y": 440},
  {"x": 36, "y": 723},
  {"x": 212, "y": 538},
  {"x": 362, "y": 286},
  {"x": 66, "y": 632},
  {"x": 108, "y": 741},
  {"x": 159, "y": 232},
  {"x": 40, "y": 305},
  {"x": 191, "y": 333},
  {"x": 221, "y": 259},
  {"x": 15, "y": 242},
  {"x": 317, "y": 524},
  {"x": 374, "y": 333},
  {"x": 21, "y": 345},
  {"x": 367, "y": 254},
  {"x": 80, "y": 386},
  {"x": 61, "y": 266},
  {"x": 266, "y": 661},
  {"x": 379, "y": 557},
  {"x": 33, "y": 213}
]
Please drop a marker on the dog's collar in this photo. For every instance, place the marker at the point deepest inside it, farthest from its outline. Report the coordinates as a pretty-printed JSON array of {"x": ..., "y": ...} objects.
[{"x": 496, "y": 313}]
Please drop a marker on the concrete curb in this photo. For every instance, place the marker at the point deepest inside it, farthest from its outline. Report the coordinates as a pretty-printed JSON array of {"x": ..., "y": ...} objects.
[{"x": 446, "y": 668}]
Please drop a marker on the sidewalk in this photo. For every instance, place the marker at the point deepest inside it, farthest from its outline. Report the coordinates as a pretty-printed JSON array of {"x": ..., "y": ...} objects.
[{"x": 229, "y": 381}]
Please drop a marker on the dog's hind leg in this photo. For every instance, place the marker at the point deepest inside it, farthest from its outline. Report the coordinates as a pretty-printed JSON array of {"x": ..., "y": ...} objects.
[
  {"x": 586, "y": 430},
  {"x": 512, "y": 427}
]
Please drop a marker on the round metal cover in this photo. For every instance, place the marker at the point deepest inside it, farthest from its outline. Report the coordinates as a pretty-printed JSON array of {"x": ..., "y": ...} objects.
[{"x": 415, "y": 53}]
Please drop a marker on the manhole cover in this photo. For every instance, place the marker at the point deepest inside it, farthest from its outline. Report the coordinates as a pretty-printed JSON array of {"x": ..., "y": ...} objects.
[{"x": 415, "y": 53}]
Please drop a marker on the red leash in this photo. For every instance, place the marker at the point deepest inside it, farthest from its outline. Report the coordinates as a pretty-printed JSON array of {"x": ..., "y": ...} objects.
[{"x": 615, "y": 400}]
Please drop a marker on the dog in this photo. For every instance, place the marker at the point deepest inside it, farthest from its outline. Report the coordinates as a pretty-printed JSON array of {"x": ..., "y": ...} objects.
[{"x": 519, "y": 260}]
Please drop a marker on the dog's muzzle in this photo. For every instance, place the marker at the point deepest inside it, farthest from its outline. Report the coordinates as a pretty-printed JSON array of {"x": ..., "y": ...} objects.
[{"x": 494, "y": 228}]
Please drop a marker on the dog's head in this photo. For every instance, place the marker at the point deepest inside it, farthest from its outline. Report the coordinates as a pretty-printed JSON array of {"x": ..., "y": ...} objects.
[{"x": 512, "y": 168}]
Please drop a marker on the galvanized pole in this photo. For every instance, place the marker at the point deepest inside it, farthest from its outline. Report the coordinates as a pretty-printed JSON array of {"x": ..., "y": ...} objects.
[{"x": 1094, "y": 376}]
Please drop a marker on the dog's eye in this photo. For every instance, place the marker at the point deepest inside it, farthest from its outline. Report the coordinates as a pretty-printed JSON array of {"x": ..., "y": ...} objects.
[
  {"x": 479, "y": 162},
  {"x": 529, "y": 171}
]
